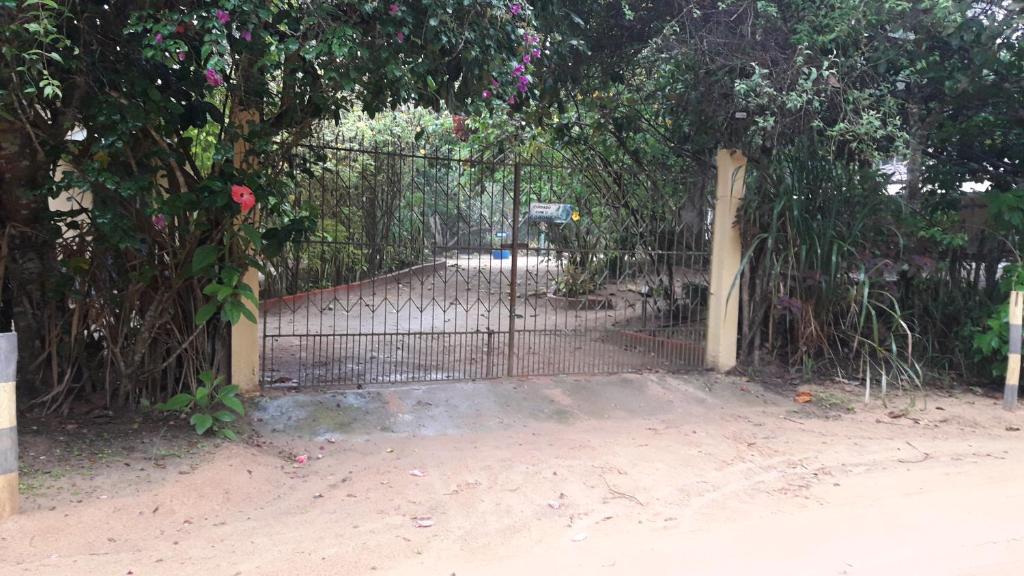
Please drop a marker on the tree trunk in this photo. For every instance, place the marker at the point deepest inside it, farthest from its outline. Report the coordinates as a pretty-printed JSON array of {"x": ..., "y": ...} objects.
[
  {"x": 31, "y": 252},
  {"x": 914, "y": 162}
]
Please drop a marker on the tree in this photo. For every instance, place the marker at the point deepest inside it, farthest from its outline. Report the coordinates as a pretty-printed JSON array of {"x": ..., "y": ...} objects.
[{"x": 178, "y": 103}]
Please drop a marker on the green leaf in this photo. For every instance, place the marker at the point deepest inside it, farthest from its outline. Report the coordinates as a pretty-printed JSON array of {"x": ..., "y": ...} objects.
[
  {"x": 229, "y": 390},
  {"x": 251, "y": 233},
  {"x": 234, "y": 404},
  {"x": 249, "y": 314},
  {"x": 225, "y": 416},
  {"x": 232, "y": 311},
  {"x": 218, "y": 291},
  {"x": 203, "y": 396},
  {"x": 246, "y": 292},
  {"x": 206, "y": 377},
  {"x": 176, "y": 403},
  {"x": 206, "y": 312},
  {"x": 230, "y": 276},
  {"x": 203, "y": 258},
  {"x": 228, "y": 433},
  {"x": 201, "y": 422}
]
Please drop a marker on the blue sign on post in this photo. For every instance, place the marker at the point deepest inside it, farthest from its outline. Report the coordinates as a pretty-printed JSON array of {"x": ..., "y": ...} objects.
[{"x": 501, "y": 234}]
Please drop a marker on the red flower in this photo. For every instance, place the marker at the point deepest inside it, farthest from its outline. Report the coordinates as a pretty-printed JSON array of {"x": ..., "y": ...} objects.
[{"x": 243, "y": 196}]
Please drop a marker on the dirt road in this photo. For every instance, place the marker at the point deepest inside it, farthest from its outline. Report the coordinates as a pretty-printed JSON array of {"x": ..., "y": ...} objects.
[{"x": 620, "y": 475}]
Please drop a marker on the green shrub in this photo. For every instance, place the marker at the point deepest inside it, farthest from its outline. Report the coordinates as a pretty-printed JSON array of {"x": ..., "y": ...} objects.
[{"x": 212, "y": 406}]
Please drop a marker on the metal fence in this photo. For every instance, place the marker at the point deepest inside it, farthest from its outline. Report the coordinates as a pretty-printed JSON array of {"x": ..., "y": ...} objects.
[{"x": 439, "y": 263}]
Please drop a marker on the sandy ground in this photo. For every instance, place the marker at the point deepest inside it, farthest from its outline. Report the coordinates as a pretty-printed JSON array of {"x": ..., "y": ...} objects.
[{"x": 653, "y": 474}]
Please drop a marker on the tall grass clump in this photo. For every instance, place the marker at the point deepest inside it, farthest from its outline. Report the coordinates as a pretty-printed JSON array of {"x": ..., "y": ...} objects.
[{"x": 824, "y": 259}]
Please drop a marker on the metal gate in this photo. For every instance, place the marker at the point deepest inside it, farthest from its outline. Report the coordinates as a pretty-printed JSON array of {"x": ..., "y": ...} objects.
[{"x": 439, "y": 263}]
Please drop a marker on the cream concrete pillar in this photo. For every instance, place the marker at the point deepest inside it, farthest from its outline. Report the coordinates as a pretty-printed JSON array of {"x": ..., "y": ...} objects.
[
  {"x": 245, "y": 344},
  {"x": 726, "y": 254},
  {"x": 245, "y": 335}
]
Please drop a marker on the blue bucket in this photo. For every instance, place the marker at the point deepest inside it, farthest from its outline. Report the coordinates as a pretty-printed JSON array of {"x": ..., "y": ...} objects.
[{"x": 501, "y": 254}]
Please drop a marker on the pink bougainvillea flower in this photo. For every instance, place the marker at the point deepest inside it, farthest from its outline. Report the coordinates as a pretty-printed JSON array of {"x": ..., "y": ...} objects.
[
  {"x": 159, "y": 221},
  {"x": 302, "y": 459},
  {"x": 519, "y": 69},
  {"x": 243, "y": 196},
  {"x": 400, "y": 36},
  {"x": 486, "y": 94},
  {"x": 222, "y": 16},
  {"x": 535, "y": 53},
  {"x": 393, "y": 9},
  {"x": 494, "y": 83},
  {"x": 159, "y": 38},
  {"x": 516, "y": 9},
  {"x": 512, "y": 100},
  {"x": 181, "y": 56},
  {"x": 530, "y": 39},
  {"x": 526, "y": 58},
  {"x": 246, "y": 35},
  {"x": 213, "y": 78},
  {"x": 524, "y": 82}
]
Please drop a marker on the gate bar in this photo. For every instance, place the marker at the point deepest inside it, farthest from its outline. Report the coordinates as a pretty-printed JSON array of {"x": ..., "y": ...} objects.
[{"x": 516, "y": 182}]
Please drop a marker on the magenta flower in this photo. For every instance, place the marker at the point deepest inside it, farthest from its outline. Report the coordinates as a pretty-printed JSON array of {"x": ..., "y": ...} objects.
[
  {"x": 393, "y": 9},
  {"x": 222, "y": 16},
  {"x": 526, "y": 58},
  {"x": 159, "y": 221},
  {"x": 535, "y": 53},
  {"x": 400, "y": 36},
  {"x": 494, "y": 83},
  {"x": 486, "y": 94},
  {"x": 512, "y": 100},
  {"x": 516, "y": 9},
  {"x": 246, "y": 35},
  {"x": 519, "y": 69},
  {"x": 181, "y": 56},
  {"x": 213, "y": 78},
  {"x": 159, "y": 39},
  {"x": 524, "y": 82}
]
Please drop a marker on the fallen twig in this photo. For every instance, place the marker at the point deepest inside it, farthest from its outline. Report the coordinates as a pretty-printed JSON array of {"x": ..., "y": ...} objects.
[
  {"x": 621, "y": 494},
  {"x": 923, "y": 453}
]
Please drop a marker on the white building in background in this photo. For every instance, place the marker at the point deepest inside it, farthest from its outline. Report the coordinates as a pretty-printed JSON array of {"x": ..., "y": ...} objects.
[{"x": 896, "y": 169}]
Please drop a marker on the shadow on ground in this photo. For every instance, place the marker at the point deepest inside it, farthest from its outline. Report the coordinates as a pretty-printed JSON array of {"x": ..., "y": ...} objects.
[{"x": 455, "y": 408}]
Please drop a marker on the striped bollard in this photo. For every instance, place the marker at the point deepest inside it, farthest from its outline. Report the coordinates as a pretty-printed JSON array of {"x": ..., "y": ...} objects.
[
  {"x": 1013, "y": 362},
  {"x": 8, "y": 426}
]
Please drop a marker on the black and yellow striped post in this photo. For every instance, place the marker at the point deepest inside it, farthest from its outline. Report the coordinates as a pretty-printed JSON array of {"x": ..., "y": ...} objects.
[
  {"x": 1013, "y": 363},
  {"x": 8, "y": 426}
]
